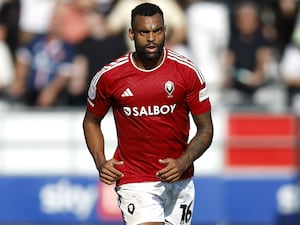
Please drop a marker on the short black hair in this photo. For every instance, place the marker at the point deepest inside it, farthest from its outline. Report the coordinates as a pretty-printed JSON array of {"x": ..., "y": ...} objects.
[{"x": 145, "y": 9}]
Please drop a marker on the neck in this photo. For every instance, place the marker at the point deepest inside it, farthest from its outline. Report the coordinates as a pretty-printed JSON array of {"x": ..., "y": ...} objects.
[{"x": 146, "y": 63}]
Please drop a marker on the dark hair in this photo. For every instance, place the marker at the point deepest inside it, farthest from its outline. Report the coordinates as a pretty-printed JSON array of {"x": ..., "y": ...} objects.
[{"x": 145, "y": 9}]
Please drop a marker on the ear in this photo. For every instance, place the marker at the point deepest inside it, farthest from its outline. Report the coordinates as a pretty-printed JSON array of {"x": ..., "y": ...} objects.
[
  {"x": 130, "y": 34},
  {"x": 165, "y": 30}
]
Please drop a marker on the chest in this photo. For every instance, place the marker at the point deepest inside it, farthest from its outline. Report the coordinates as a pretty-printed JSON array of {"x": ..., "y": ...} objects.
[{"x": 149, "y": 89}]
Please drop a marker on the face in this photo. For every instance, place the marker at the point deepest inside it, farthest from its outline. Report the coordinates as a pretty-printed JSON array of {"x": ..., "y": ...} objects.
[
  {"x": 148, "y": 35},
  {"x": 247, "y": 20}
]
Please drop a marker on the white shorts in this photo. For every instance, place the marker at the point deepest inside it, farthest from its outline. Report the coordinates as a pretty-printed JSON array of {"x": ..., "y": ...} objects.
[{"x": 171, "y": 203}]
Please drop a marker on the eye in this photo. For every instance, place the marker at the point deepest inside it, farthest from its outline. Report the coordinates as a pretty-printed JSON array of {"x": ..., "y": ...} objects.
[
  {"x": 143, "y": 33},
  {"x": 158, "y": 31}
]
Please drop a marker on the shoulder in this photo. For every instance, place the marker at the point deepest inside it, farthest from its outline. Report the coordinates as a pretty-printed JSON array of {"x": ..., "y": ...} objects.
[
  {"x": 36, "y": 44},
  {"x": 110, "y": 70},
  {"x": 179, "y": 59},
  {"x": 36, "y": 40},
  {"x": 116, "y": 64},
  {"x": 184, "y": 65}
]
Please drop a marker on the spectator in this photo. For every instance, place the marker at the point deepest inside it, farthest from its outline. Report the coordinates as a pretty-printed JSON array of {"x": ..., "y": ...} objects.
[
  {"x": 96, "y": 50},
  {"x": 6, "y": 65},
  {"x": 207, "y": 41},
  {"x": 278, "y": 21},
  {"x": 9, "y": 18},
  {"x": 290, "y": 72},
  {"x": 43, "y": 68},
  {"x": 35, "y": 18},
  {"x": 248, "y": 56},
  {"x": 74, "y": 17},
  {"x": 286, "y": 12}
]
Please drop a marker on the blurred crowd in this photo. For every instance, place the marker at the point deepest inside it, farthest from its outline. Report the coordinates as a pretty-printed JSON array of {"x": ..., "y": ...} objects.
[{"x": 249, "y": 51}]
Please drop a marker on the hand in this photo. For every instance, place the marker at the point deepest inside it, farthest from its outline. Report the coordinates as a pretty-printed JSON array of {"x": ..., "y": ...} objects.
[
  {"x": 108, "y": 173},
  {"x": 256, "y": 80},
  {"x": 172, "y": 171}
]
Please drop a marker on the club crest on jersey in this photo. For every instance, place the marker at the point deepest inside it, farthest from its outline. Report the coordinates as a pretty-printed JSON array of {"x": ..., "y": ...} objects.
[{"x": 169, "y": 88}]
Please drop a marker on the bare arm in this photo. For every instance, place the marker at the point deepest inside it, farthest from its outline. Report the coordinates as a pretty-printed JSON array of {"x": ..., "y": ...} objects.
[
  {"x": 197, "y": 146},
  {"x": 18, "y": 85},
  {"x": 229, "y": 58},
  {"x": 94, "y": 137},
  {"x": 95, "y": 143},
  {"x": 50, "y": 93},
  {"x": 201, "y": 141},
  {"x": 264, "y": 56}
]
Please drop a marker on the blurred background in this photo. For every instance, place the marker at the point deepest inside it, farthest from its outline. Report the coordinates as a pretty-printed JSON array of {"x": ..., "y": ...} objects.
[{"x": 249, "y": 53}]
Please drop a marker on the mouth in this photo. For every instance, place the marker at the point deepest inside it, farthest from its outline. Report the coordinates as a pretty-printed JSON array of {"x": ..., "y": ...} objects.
[{"x": 151, "y": 48}]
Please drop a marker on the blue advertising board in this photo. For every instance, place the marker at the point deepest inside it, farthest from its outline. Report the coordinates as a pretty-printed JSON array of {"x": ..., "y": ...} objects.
[
  {"x": 82, "y": 200},
  {"x": 48, "y": 199}
]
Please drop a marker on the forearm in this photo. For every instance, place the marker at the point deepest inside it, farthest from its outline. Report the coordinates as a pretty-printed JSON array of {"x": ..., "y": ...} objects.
[
  {"x": 263, "y": 57},
  {"x": 229, "y": 60},
  {"x": 200, "y": 142},
  {"x": 57, "y": 85},
  {"x": 94, "y": 140},
  {"x": 198, "y": 145},
  {"x": 49, "y": 95},
  {"x": 18, "y": 85},
  {"x": 290, "y": 80},
  {"x": 174, "y": 168}
]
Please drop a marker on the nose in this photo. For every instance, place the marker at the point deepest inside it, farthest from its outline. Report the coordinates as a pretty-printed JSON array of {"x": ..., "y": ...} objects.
[{"x": 151, "y": 36}]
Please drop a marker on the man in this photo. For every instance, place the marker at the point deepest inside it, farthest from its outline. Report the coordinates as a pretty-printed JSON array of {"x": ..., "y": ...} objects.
[
  {"x": 43, "y": 69},
  {"x": 151, "y": 92},
  {"x": 247, "y": 58},
  {"x": 118, "y": 21}
]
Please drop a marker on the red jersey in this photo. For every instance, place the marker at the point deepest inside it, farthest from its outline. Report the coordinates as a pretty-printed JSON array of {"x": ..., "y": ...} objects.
[{"x": 151, "y": 111}]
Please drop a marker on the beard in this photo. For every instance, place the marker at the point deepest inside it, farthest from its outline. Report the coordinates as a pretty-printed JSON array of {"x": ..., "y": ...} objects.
[{"x": 144, "y": 54}]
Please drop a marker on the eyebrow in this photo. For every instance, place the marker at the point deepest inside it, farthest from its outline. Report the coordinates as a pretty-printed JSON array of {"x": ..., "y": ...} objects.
[{"x": 147, "y": 30}]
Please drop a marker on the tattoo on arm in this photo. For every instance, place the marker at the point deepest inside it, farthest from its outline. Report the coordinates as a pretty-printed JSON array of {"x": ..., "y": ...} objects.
[{"x": 202, "y": 139}]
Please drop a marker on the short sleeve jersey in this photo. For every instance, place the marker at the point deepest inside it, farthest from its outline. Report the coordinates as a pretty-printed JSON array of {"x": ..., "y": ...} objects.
[{"x": 151, "y": 111}]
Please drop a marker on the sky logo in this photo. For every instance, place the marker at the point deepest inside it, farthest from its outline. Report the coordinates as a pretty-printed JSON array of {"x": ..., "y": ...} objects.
[{"x": 66, "y": 197}]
